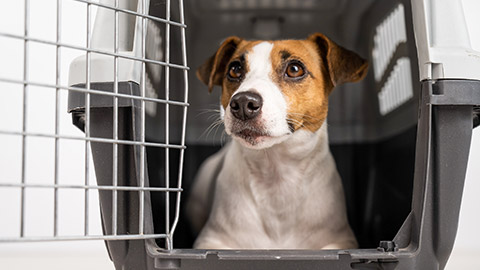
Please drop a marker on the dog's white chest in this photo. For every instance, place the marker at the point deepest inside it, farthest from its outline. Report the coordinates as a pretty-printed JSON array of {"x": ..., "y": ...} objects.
[
  {"x": 279, "y": 203},
  {"x": 274, "y": 197}
]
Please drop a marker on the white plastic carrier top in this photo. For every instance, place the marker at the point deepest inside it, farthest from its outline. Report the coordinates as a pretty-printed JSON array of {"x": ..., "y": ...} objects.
[{"x": 443, "y": 39}]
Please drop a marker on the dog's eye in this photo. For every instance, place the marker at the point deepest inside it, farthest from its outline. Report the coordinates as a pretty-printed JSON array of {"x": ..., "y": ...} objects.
[
  {"x": 235, "y": 70},
  {"x": 295, "y": 70}
]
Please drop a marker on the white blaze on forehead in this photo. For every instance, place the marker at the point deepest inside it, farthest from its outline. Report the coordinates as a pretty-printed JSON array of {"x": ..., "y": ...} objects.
[{"x": 259, "y": 62}]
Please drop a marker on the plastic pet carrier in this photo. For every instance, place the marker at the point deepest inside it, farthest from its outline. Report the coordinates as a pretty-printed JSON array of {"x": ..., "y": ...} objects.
[{"x": 400, "y": 137}]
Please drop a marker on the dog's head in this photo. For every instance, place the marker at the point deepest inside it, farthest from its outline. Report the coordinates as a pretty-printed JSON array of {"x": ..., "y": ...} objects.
[{"x": 271, "y": 89}]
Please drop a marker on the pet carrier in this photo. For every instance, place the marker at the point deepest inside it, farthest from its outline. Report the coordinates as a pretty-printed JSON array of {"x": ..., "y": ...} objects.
[{"x": 400, "y": 137}]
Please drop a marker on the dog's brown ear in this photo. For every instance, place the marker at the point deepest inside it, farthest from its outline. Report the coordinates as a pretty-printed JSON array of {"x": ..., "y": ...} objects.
[
  {"x": 212, "y": 71},
  {"x": 342, "y": 65}
]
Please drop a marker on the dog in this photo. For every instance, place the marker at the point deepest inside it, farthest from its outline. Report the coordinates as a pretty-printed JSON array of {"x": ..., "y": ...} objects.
[{"x": 275, "y": 185}]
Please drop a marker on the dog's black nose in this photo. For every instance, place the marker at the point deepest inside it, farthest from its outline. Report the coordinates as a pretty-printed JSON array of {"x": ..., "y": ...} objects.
[{"x": 246, "y": 105}]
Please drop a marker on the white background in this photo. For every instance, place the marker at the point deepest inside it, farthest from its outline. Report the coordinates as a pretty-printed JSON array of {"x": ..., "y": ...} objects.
[{"x": 40, "y": 153}]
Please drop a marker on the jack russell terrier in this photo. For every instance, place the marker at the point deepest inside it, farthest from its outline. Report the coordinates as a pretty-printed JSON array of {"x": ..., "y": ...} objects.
[{"x": 275, "y": 185}]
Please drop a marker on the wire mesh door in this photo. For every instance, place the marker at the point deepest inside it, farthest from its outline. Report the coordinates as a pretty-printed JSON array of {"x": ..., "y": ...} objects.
[{"x": 128, "y": 92}]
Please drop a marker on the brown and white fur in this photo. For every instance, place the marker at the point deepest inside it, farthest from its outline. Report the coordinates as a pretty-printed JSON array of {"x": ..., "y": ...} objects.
[{"x": 275, "y": 185}]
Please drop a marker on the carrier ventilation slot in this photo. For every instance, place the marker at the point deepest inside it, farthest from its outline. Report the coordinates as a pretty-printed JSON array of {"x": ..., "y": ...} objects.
[
  {"x": 388, "y": 35},
  {"x": 398, "y": 88}
]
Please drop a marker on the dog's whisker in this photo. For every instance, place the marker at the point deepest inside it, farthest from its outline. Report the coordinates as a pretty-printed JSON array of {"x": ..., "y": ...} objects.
[
  {"x": 305, "y": 116},
  {"x": 216, "y": 127},
  {"x": 302, "y": 123},
  {"x": 212, "y": 117},
  {"x": 305, "y": 121},
  {"x": 295, "y": 122},
  {"x": 214, "y": 112},
  {"x": 208, "y": 110},
  {"x": 209, "y": 129},
  {"x": 293, "y": 119}
]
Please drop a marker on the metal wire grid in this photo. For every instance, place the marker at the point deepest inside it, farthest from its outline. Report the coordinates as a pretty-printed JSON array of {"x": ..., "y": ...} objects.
[{"x": 115, "y": 141}]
